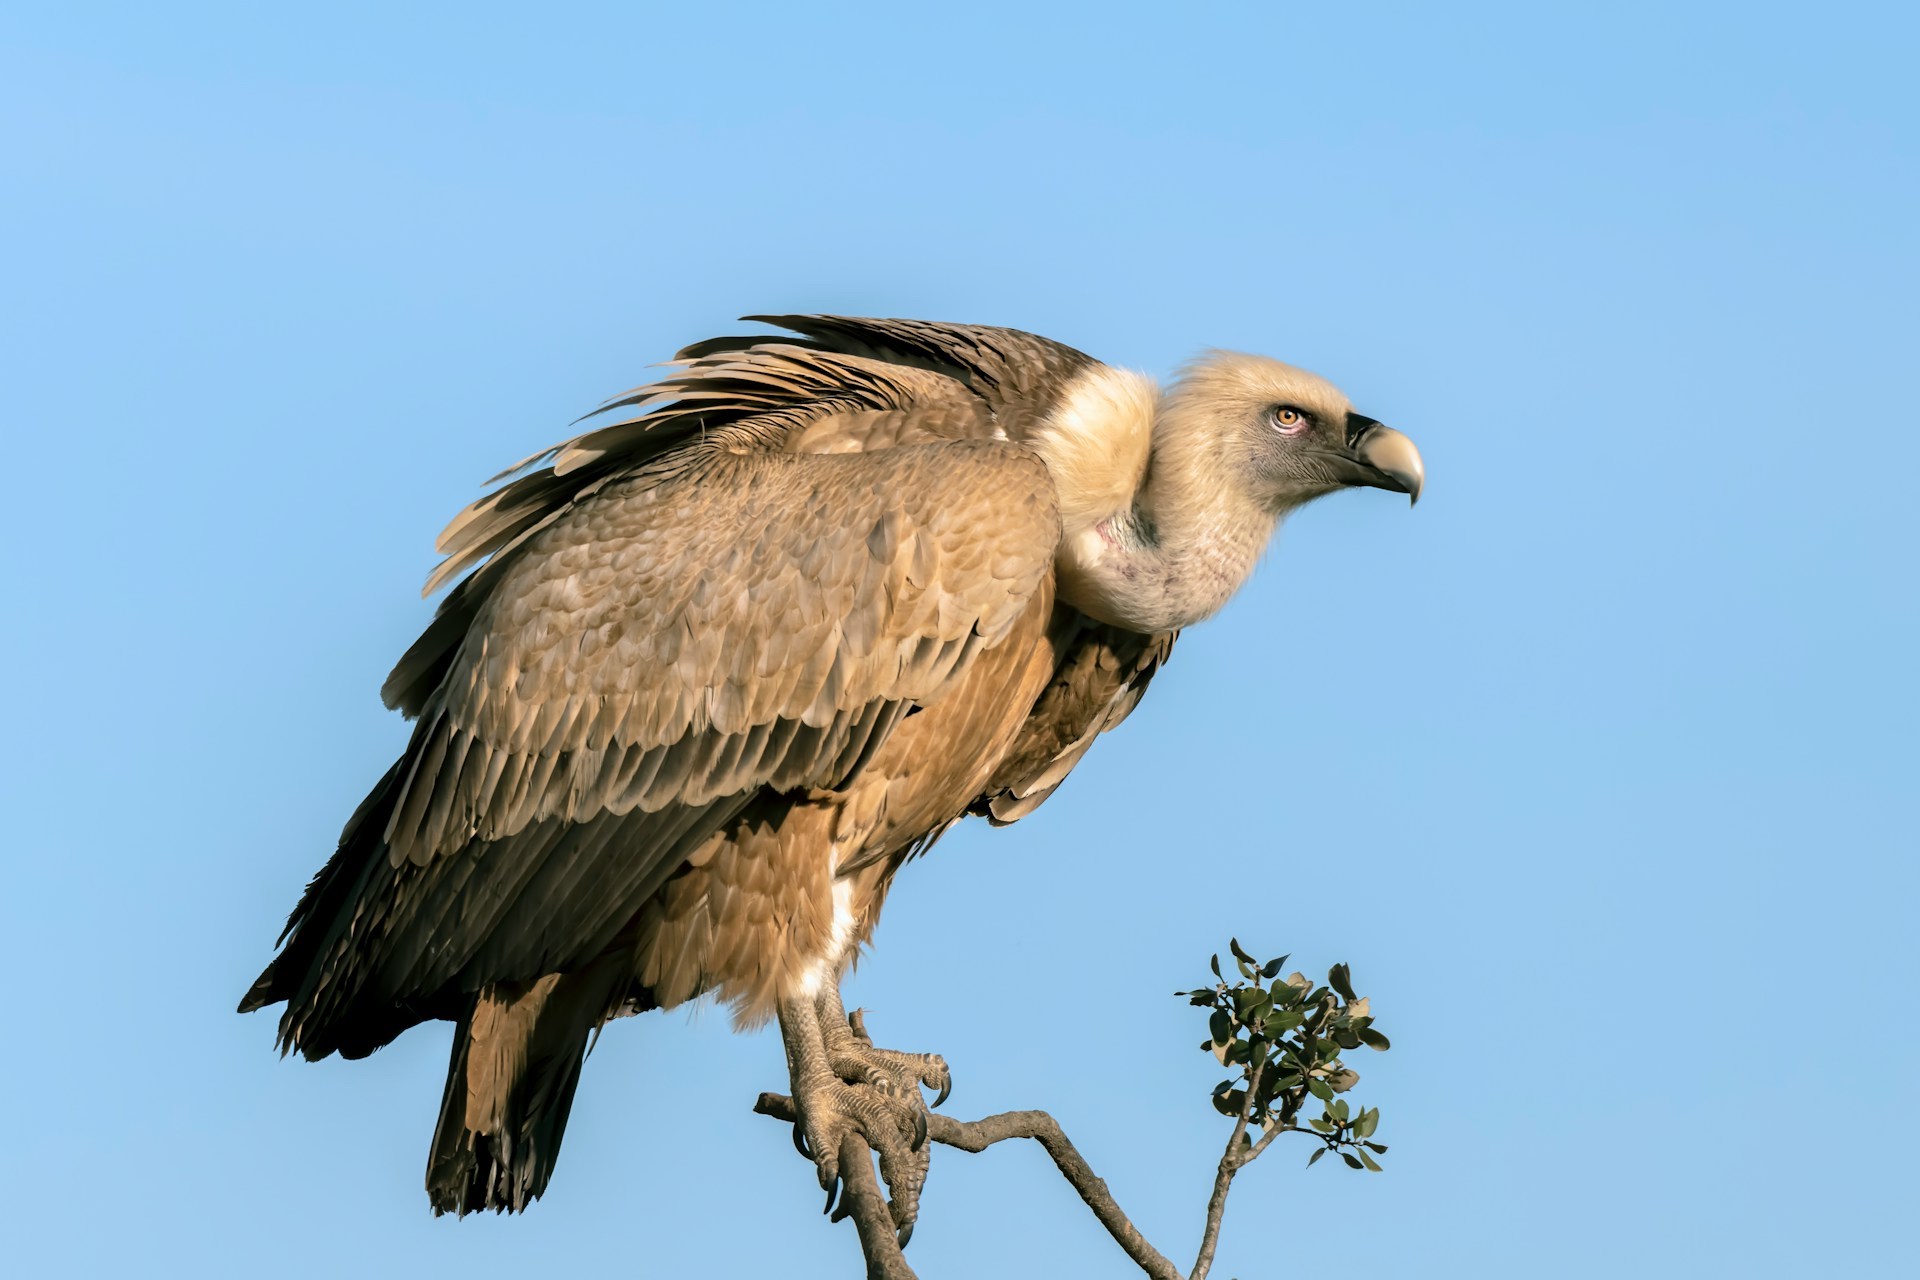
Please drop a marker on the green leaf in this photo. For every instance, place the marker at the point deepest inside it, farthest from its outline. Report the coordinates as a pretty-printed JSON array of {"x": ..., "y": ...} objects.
[
  {"x": 1339, "y": 1109},
  {"x": 1220, "y": 1025},
  {"x": 1316, "y": 1156},
  {"x": 1340, "y": 980},
  {"x": 1271, "y": 969},
  {"x": 1321, "y": 1123},
  {"x": 1320, "y": 1089},
  {"x": 1353, "y": 1161},
  {"x": 1369, "y": 1121},
  {"x": 1367, "y": 1160},
  {"x": 1374, "y": 1040},
  {"x": 1378, "y": 1148},
  {"x": 1215, "y": 962},
  {"x": 1239, "y": 953}
]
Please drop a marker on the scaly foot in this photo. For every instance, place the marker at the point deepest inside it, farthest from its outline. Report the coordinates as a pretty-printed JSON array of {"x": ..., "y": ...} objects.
[
  {"x": 842, "y": 1085},
  {"x": 851, "y": 1053}
]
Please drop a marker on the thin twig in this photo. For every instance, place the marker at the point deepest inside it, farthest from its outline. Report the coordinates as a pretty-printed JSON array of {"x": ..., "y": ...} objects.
[
  {"x": 1254, "y": 1152},
  {"x": 978, "y": 1135},
  {"x": 1230, "y": 1162}
]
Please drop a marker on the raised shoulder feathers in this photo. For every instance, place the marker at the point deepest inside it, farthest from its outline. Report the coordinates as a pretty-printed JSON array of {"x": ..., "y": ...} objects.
[{"x": 848, "y": 384}]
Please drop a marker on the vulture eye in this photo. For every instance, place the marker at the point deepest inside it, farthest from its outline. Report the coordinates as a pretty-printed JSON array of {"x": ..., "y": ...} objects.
[{"x": 1289, "y": 420}]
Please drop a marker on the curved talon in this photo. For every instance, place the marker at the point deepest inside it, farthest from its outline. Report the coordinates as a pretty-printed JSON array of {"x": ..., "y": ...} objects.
[
  {"x": 946, "y": 1085},
  {"x": 919, "y": 1130},
  {"x": 904, "y": 1234},
  {"x": 829, "y": 1166},
  {"x": 833, "y": 1194},
  {"x": 800, "y": 1140}
]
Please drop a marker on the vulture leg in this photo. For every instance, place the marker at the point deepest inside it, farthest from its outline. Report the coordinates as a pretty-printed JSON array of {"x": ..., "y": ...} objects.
[{"x": 832, "y": 1109}]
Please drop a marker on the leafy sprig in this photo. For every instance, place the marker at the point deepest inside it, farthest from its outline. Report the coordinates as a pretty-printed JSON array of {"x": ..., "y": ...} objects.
[{"x": 1286, "y": 1037}]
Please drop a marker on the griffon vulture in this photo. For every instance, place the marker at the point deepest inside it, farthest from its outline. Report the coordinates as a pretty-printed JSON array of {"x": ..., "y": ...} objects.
[{"x": 734, "y": 656}]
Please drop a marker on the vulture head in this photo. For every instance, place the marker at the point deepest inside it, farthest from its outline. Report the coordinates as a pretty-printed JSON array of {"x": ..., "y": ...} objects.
[
  {"x": 1168, "y": 497},
  {"x": 1284, "y": 436}
]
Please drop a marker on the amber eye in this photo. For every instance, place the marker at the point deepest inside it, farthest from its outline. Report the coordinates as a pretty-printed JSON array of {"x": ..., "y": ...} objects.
[{"x": 1289, "y": 420}]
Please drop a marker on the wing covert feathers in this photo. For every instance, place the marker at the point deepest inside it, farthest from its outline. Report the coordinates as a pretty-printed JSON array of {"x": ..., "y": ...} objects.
[{"x": 755, "y": 620}]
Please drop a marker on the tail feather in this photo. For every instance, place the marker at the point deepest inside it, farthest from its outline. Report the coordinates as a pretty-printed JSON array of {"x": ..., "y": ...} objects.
[{"x": 516, "y": 1061}]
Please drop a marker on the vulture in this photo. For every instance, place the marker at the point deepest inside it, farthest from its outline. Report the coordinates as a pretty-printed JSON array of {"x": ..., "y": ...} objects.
[{"x": 723, "y": 663}]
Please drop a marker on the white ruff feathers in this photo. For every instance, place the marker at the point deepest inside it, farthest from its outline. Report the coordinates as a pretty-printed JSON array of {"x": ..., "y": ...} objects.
[{"x": 1097, "y": 444}]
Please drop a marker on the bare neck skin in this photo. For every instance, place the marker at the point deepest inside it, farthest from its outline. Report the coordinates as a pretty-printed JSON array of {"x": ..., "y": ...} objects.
[{"x": 1187, "y": 541}]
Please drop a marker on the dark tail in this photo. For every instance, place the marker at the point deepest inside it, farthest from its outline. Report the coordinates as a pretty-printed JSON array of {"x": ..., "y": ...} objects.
[{"x": 516, "y": 1060}]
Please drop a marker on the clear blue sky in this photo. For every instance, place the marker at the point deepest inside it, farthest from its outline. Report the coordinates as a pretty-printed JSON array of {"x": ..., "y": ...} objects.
[{"x": 1598, "y": 767}]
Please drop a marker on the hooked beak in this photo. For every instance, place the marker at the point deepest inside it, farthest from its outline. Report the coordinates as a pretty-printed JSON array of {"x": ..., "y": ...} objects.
[{"x": 1384, "y": 458}]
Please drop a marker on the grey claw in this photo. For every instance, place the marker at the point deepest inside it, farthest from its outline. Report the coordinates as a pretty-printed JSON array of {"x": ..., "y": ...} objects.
[
  {"x": 904, "y": 1234},
  {"x": 833, "y": 1193},
  {"x": 800, "y": 1140},
  {"x": 919, "y": 1130},
  {"x": 946, "y": 1087}
]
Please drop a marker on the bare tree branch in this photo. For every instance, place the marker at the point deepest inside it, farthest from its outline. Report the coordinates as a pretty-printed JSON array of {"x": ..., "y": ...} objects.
[
  {"x": 978, "y": 1135},
  {"x": 861, "y": 1200}
]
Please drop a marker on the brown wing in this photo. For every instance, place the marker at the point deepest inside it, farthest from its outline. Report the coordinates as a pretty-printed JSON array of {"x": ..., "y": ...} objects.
[
  {"x": 1103, "y": 673},
  {"x": 691, "y": 622},
  {"x": 756, "y": 619}
]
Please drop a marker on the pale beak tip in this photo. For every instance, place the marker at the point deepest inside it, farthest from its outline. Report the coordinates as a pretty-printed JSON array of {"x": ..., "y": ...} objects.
[{"x": 1392, "y": 454}]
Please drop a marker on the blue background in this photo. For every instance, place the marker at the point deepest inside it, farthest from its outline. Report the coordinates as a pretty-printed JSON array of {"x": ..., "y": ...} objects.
[{"x": 1598, "y": 766}]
